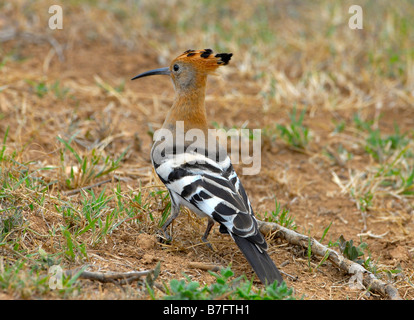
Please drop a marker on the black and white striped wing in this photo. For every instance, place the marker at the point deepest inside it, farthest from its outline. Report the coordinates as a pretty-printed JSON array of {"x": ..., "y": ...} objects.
[{"x": 211, "y": 188}]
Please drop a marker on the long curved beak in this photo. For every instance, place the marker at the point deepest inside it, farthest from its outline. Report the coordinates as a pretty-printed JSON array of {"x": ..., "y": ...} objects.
[{"x": 165, "y": 71}]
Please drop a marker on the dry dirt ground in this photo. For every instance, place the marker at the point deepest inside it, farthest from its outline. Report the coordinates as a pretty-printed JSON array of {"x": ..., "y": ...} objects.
[{"x": 301, "y": 180}]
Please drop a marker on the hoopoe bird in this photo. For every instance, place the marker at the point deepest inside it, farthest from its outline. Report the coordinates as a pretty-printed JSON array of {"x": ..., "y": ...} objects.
[{"x": 200, "y": 175}]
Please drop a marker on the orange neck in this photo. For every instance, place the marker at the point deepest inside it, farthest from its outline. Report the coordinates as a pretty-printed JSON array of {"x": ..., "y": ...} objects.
[{"x": 188, "y": 107}]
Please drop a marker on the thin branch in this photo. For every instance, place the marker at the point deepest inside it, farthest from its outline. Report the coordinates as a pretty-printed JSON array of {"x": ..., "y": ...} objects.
[
  {"x": 204, "y": 266},
  {"x": 12, "y": 33},
  {"x": 113, "y": 277},
  {"x": 75, "y": 191},
  {"x": 369, "y": 280}
]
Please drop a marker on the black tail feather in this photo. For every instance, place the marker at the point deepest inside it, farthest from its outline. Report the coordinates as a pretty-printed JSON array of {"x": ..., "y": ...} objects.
[{"x": 260, "y": 261}]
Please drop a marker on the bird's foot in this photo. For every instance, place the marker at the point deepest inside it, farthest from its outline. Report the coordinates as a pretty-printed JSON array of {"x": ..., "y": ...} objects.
[
  {"x": 164, "y": 236},
  {"x": 208, "y": 244}
]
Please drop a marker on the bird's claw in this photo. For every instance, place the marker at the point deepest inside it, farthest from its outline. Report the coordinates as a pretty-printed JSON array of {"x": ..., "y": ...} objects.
[
  {"x": 208, "y": 244},
  {"x": 163, "y": 236}
]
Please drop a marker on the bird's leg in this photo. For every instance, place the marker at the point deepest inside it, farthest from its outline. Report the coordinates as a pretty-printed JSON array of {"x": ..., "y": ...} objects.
[
  {"x": 175, "y": 210},
  {"x": 210, "y": 224}
]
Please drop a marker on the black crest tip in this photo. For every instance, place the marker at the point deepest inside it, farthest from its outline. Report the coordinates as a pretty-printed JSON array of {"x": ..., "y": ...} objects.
[
  {"x": 206, "y": 53},
  {"x": 224, "y": 57}
]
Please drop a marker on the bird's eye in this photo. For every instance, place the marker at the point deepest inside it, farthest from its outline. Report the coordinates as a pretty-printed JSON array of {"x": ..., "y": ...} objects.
[{"x": 176, "y": 67}]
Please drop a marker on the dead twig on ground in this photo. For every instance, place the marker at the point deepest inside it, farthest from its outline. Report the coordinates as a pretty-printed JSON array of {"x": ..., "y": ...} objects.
[
  {"x": 369, "y": 280},
  {"x": 113, "y": 277},
  {"x": 12, "y": 33},
  {"x": 75, "y": 191},
  {"x": 204, "y": 266}
]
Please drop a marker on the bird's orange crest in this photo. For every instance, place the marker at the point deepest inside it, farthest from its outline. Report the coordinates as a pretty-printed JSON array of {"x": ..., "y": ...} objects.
[{"x": 204, "y": 60}]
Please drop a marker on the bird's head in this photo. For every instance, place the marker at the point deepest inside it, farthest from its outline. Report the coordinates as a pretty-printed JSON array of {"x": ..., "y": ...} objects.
[{"x": 189, "y": 70}]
